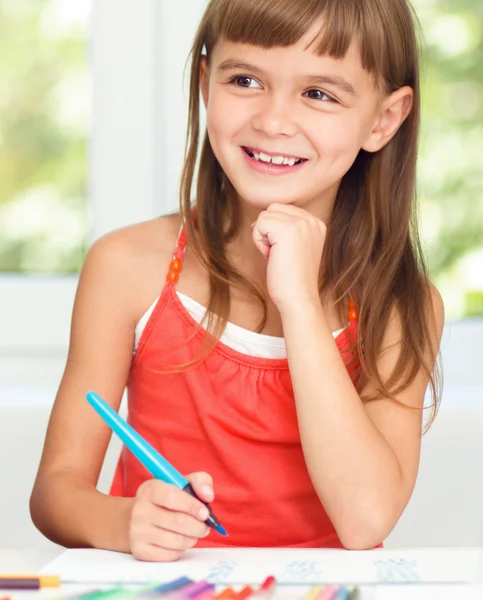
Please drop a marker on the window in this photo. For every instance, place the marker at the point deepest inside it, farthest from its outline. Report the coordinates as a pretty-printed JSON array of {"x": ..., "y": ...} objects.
[
  {"x": 44, "y": 123},
  {"x": 451, "y": 174}
]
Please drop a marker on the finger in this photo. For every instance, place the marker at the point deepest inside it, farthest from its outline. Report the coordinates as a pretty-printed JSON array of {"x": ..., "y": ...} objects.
[
  {"x": 150, "y": 553},
  {"x": 271, "y": 223},
  {"x": 180, "y": 523},
  {"x": 262, "y": 242},
  {"x": 295, "y": 212},
  {"x": 265, "y": 230},
  {"x": 171, "y": 540},
  {"x": 203, "y": 485},
  {"x": 168, "y": 496}
]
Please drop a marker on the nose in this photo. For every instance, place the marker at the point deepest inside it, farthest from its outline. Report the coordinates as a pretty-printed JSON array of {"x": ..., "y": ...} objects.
[{"x": 275, "y": 117}]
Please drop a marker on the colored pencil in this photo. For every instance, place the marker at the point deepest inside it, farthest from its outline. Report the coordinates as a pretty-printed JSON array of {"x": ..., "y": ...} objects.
[
  {"x": 312, "y": 593},
  {"x": 191, "y": 591},
  {"x": 165, "y": 588},
  {"x": 327, "y": 593},
  {"x": 202, "y": 589},
  {"x": 149, "y": 592},
  {"x": 208, "y": 594},
  {"x": 28, "y": 582},
  {"x": 343, "y": 594},
  {"x": 226, "y": 594},
  {"x": 269, "y": 583},
  {"x": 245, "y": 593}
]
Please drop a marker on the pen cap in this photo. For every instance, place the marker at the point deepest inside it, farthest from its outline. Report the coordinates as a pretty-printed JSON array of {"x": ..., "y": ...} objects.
[{"x": 150, "y": 458}]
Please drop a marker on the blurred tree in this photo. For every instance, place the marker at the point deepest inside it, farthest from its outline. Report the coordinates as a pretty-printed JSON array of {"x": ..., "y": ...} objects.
[
  {"x": 451, "y": 157},
  {"x": 43, "y": 105}
]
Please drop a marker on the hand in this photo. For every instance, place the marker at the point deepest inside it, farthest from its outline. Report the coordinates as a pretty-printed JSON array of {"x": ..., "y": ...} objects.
[
  {"x": 166, "y": 521},
  {"x": 292, "y": 240}
]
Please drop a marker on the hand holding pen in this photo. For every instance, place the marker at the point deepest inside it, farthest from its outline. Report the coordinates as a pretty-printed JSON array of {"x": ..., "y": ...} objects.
[
  {"x": 171, "y": 512},
  {"x": 166, "y": 521}
]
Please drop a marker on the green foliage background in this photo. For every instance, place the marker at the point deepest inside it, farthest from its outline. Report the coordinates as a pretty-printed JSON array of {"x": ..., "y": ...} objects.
[{"x": 44, "y": 125}]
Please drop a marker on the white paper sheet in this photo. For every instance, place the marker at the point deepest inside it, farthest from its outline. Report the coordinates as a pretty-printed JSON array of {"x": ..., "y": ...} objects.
[
  {"x": 289, "y": 566},
  {"x": 429, "y": 592}
]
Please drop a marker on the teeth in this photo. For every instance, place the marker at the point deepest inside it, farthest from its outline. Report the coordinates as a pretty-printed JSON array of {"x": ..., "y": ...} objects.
[
  {"x": 265, "y": 157},
  {"x": 276, "y": 160}
]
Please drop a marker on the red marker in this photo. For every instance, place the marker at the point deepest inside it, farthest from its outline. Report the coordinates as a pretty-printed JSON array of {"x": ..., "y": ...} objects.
[
  {"x": 267, "y": 588},
  {"x": 268, "y": 584},
  {"x": 245, "y": 593}
]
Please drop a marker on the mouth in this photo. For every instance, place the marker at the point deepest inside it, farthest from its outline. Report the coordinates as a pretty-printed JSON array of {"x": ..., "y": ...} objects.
[{"x": 276, "y": 160}]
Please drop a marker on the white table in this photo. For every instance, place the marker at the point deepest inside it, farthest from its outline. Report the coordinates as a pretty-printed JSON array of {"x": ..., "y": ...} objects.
[{"x": 29, "y": 561}]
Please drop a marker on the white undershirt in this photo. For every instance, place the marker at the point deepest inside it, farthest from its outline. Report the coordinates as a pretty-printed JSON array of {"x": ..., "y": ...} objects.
[{"x": 239, "y": 339}]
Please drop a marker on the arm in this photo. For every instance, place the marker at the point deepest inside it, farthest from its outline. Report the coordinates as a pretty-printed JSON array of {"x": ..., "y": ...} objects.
[
  {"x": 362, "y": 458},
  {"x": 120, "y": 279},
  {"x": 65, "y": 504}
]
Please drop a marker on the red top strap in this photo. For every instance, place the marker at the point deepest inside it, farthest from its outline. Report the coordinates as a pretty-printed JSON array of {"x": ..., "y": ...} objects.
[{"x": 176, "y": 264}]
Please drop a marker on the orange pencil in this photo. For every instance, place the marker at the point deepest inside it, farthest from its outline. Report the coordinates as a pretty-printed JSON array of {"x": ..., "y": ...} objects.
[{"x": 226, "y": 594}]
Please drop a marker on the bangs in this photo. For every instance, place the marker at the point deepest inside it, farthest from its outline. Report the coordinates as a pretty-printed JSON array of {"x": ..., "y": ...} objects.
[{"x": 282, "y": 23}]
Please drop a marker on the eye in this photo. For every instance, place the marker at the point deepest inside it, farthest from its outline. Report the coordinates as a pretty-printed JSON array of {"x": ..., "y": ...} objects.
[
  {"x": 320, "y": 95},
  {"x": 244, "y": 81}
]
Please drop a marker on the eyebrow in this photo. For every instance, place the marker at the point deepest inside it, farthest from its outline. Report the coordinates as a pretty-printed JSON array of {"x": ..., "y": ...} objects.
[{"x": 335, "y": 80}]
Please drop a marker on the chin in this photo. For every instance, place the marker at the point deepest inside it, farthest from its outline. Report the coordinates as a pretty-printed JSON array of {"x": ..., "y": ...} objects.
[{"x": 264, "y": 201}]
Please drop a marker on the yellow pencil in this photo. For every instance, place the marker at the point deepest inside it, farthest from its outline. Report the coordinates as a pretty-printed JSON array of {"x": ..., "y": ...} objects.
[{"x": 312, "y": 593}]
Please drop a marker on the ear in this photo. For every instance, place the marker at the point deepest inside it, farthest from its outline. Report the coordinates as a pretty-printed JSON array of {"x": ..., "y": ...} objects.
[
  {"x": 392, "y": 114},
  {"x": 204, "y": 79}
]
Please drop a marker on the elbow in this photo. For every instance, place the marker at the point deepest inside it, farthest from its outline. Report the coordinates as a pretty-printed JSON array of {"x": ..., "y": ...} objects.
[
  {"x": 365, "y": 536},
  {"x": 359, "y": 541},
  {"x": 36, "y": 511},
  {"x": 39, "y": 514}
]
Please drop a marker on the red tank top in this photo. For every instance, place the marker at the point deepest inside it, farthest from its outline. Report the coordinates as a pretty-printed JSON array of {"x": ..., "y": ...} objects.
[{"x": 233, "y": 416}]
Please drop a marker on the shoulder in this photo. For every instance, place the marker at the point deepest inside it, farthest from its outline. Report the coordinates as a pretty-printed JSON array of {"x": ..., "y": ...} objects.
[
  {"x": 433, "y": 308},
  {"x": 410, "y": 346},
  {"x": 131, "y": 263},
  {"x": 131, "y": 246}
]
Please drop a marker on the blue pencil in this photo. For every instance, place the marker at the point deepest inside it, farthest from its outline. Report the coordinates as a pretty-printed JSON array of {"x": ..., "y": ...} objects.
[
  {"x": 344, "y": 594},
  {"x": 150, "y": 458}
]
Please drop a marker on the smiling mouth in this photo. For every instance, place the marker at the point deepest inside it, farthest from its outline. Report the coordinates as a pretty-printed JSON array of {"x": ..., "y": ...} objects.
[{"x": 279, "y": 160}]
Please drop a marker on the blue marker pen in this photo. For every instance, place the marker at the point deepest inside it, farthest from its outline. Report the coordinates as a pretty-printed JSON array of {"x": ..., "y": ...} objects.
[{"x": 150, "y": 458}]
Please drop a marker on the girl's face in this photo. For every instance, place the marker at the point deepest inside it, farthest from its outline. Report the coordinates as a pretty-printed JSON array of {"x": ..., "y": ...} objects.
[{"x": 286, "y": 125}]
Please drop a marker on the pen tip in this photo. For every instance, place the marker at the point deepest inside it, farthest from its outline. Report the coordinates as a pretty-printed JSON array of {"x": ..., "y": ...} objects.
[{"x": 221, "y": 529}]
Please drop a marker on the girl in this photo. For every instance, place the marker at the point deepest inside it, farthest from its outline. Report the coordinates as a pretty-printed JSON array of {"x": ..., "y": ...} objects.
[{"x": 285, "y": 360}]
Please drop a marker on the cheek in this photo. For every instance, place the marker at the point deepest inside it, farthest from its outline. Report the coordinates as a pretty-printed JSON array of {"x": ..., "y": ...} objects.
[
  {"x": 223, "y": 116},
  {"x": 338, "y": 136}
]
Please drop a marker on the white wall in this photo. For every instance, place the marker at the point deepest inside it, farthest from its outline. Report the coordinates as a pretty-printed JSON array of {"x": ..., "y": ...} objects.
[{"x": 140, "y": 106}]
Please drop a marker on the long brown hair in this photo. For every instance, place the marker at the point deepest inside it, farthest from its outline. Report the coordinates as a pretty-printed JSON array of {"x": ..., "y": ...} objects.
[{"x": 372, "y": 249}]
